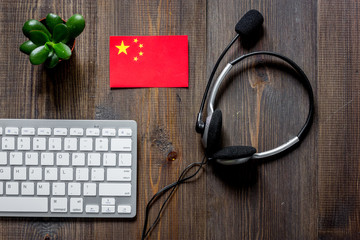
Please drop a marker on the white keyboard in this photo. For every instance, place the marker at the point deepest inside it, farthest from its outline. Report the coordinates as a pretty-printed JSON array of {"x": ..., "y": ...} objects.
[{"x": 68, "y": 168}]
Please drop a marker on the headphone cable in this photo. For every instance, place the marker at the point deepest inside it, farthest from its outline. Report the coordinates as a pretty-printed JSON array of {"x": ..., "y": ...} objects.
[{"x": 173, "y": 186}]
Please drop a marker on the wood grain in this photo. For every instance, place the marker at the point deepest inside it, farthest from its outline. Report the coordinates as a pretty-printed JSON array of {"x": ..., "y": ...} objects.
[
  {"x": 162, "y": 125},
  {"x": 264, "y": 105},
  {"x": 339, "y": 118},
  {"x": 310, "y": 193}
]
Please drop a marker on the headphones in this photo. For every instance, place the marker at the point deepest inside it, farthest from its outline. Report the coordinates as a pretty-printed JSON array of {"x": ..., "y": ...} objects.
[{"x": 211, "y": 129}]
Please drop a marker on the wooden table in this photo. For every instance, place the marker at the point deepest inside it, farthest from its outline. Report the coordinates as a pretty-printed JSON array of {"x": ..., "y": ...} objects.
[{"x": 310, "y": 193}]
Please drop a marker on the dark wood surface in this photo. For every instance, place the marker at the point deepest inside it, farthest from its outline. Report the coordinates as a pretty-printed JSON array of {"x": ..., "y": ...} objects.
[{"x": 310, "y": 193}]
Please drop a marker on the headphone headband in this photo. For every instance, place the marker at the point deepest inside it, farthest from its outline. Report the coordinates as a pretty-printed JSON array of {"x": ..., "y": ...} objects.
[{"x": 293, "y": 141}]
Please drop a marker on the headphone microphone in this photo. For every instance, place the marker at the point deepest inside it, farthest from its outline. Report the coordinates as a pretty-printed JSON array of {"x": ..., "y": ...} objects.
[
  {"x": 246, "y": 27},
  {"x": 249, "y": 24},
  {"x": 210, "y": 130}
]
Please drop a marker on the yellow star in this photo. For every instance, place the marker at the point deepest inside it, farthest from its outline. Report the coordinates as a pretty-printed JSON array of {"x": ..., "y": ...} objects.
[
  {"x": 122, "y": 48},
  {"x": 135, "y": 40},
  {"x": 141, "y": 46},
  {"x": 135, "y": 59},
  {"x": 141, "y": 53}
]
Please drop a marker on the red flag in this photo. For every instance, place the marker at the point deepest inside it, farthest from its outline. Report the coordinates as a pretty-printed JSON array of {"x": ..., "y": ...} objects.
[{"x": 148, "y": 61}]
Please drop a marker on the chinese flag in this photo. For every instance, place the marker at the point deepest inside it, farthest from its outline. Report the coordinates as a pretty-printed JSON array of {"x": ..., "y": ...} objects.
[{"x": 148, "y": 61}]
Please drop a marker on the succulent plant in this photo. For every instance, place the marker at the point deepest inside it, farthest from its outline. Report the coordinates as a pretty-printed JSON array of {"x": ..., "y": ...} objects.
[{"x": 48, "y": 42}]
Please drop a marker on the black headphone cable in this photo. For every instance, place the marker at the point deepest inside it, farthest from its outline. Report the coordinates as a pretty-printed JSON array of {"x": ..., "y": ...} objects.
[{"x": 173, "y": 186}]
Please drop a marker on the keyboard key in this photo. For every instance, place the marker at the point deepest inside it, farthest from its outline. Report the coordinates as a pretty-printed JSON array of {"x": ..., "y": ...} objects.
[
  {"x": 60, "y": 131},
  {"x": 124, "y": 159},
  {"x": 89, "y": 189},
  {"x": 74, "y": 189},
  {"x": 109, "y": 132},
  {"x": 121, "y": 144},
  {"x": 1, "y": 188},
  {"x": 16, "y": 158},
  {"x": 108, "y": 209},
  {"x": 76, "y": 131},
  {"x": 92, "y": 208},
  {"x": 51, "y": 174},
  {"x": 66, "y": 174},
  {"x": 63, "y": 159},
  {"x": 23, "y": 204},
  {"x": 97, "y": 174},
  {"x": 28, "y": 131},
  {"x": 124, "y": 209},
  {"x": 23, "y": 143},
  {"x": 12, "y": 188},
  {"x": 78, "y": 159},
  {"x": 70, "y": 144},
  {"x": 27, "y": 188},
  {"x": 86, "y": 144},
  {"x": 101, "y": 144},
  {"x": 108, "y": 201},
  {"x": 1, "y": 130},
  {"x": 118, "y": 174},
  {"x": 92, "y": 132},
  {"x": 58, "y": 189},
  {"x": 114, "y": 189},
  {"x": 3, "y": 158},
  {"x": 11, "y": 131},
  {"x": 109, "y": 159},
  {"x": 76, "y": 205},
  {"x": 44, "y": 131},
  {"x": 20, "y": 173},
  {"x": 47, "y": 159},
  {"x": 59, "y": 205},
  {"x": 125, "y": 132},
  {"x": 31, "y": 158},
  {"x": 82, "y": 174},
  {"x": 8, "y": 143},
  {"x": 94, "y": 159},
  {"x": 39, "y": 144},
  {"x": 43, "y": 189},
  {"x": 5, "y": 173},
  {"x": 55, "y": 144},
  {"x": 35, "y": 173}
]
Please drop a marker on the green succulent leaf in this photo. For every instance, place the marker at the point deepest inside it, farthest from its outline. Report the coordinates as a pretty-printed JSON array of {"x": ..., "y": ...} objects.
[
  {"x": 32, "y": 25},
  {"x": 52, "y": 61},
  {"x": 27, "y": 47},
  {"x": 76, "y": 24},
  {"x": 66, "y": 40},
  {"x": 51, "y": 52},
  {"x": 52, "y": 20},
  {"x": 60, "y": 32},
  {"x": 39, "y": 55},
  {"x": 62, "y": 50},
  {"x": 38, "y": 37}
]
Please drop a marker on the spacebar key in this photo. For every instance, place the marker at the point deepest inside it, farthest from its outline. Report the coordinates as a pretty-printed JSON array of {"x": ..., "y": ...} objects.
[{"x": 23, "y": 204}]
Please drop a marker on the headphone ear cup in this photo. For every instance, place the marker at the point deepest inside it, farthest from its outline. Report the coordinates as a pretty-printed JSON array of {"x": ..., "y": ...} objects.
[
  {"x": 214, "y": 133},
  {"x": 234, "y": 152}
]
